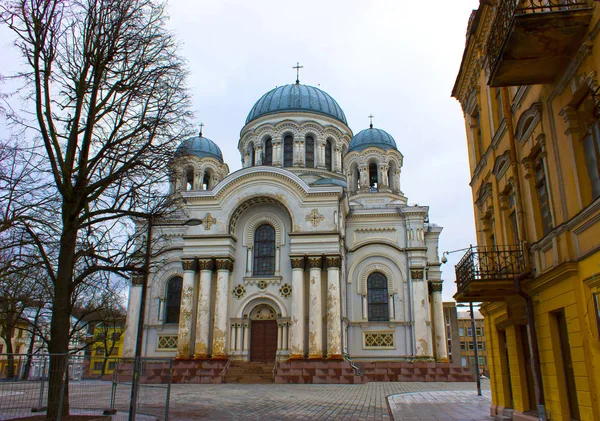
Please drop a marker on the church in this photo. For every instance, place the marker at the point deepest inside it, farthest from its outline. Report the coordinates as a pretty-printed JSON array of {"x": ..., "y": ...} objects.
[{"x": 309, "y": 252}]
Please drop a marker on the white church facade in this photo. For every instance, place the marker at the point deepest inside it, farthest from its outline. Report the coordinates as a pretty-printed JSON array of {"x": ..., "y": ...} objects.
[{"x": 308, "y": 252}]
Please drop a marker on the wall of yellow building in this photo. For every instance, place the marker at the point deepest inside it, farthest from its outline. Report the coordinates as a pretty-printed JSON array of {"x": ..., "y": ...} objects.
[
  {"x": 567, "y": 260},
  {"x": 98, "y": 344}
]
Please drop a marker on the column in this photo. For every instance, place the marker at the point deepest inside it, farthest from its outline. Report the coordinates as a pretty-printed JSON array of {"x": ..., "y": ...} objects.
[
  {"x": 364, "y": 178},
  {"x": 201, "y": 350},
  {"x": 258, "y": 155},
  {"x": 421, "y": 313},
  {"x": 246, "y": 336},
  {"x": 315, "y": 316},
  {"x": 279, "y": 335},
  {"x": 334, "y": 318},
  {"x": 365, "y": 307},
  {"x": 133, "y": 316},
  {"x": 238, "y": 339},
  {"x": 249, "y": 262},
  {"x": 219, "y": 348},
  {"x": 286, "y": 328},
  {"x": 184, "y": 338},
  {"x": 297, "y": 313},
  {"x": 441, "y": 352}
]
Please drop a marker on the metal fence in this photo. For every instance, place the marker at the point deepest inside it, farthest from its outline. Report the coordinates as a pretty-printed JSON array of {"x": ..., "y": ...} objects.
[{"x": 84, "y": 385}]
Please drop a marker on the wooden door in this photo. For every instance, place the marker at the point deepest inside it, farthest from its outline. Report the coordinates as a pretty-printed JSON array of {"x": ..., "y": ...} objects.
[{"x": 263, "y": 340}]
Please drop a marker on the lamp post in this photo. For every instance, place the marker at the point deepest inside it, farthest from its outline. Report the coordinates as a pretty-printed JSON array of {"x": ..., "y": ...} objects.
[
  {"x": 444, "y": 260},
  {"x": 140, "y": 321}
]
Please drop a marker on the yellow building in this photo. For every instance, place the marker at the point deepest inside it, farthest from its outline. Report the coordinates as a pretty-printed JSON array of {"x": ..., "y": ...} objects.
[
  {"x": 106, "y": 349},
  {"x": 529, "y": 89},
  {"x": 20, "y": 341}
]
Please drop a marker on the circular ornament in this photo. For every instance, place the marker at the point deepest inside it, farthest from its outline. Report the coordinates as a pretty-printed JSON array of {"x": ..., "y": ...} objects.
[
  {"x": 285, "y": 290},
  {"x": 239, "y": 291},
  {"x": 262, "y": 284}
]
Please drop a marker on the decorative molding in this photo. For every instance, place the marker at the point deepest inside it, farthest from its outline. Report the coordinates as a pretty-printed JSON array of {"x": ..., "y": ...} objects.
[
  {"x": 137, "y": 280},
  {"x": 416, "y": 274},
  {"x": 333, "y": 261},
  {"x": 314, "y": 217},
  {"x": 376, "y": 267},
  {"x": 378, "y": 340},
  {"x": 528, "y": 121},
  {"x": 263, "y": 312},
  {"x": 285, "y": 290},
  {"x": 239, "y": 291},
  {"x": 252, "y": 202},
  {"x": 297, "y": 262},
  {"x": 435, "y": 287},
  {"x": 315, "y": 262},
  {"x": 208, "y": 221},
  {"x": 188, "y": 264},
  {"x": 258, "y": 220},
  {"x": 267, "y": 280},
  {"x": 224, "y": 264},
  {"x": 206, "y": 264},
  {"x": 166, "y": 343}
]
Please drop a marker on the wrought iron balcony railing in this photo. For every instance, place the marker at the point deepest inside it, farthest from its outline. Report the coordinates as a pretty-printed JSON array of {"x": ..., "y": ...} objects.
[
  {"x": 508, "y": 9},
  {"x": 489, "y": 264}
]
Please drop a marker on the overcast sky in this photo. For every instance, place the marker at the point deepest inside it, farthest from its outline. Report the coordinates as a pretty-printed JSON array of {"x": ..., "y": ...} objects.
[{"x": 395, "y": 59}]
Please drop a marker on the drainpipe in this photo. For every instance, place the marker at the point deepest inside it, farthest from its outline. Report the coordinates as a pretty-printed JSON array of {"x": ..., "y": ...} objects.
[
  {"x": 534, "y": 350},
  {"x": 533, "y": 341}
]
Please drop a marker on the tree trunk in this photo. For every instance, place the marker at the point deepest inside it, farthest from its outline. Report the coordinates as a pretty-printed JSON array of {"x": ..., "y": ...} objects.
[
  {"x": 29, "y": 360},
  {"x": 10, "y": 356},
  {"x": 60, "y": 326}
]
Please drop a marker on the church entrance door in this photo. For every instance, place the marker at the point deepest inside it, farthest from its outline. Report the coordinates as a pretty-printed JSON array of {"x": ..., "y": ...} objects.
[{"x": 263, "y": 340}]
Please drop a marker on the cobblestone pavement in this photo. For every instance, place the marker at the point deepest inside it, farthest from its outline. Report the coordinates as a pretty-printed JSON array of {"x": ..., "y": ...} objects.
[
  {"x": 307, "y": 402},
  {"x": 441, "y": 406}
]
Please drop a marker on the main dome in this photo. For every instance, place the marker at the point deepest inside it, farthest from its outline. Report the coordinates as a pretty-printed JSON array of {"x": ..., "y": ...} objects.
[
  {"x": 296, "y": 97},
  {"x": 372, "y": 137},
  {"x": 199, "y": 146}
]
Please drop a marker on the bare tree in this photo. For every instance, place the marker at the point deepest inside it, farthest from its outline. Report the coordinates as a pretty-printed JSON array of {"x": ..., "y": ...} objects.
[{"x": 107, "y": 99}]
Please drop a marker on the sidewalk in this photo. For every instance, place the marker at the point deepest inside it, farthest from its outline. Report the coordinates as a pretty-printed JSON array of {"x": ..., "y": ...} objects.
[{"x": 441, "y": 406}]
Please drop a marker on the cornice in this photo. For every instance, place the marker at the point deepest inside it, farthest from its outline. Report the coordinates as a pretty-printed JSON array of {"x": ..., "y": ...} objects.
[{"x": 314, "y": 118}]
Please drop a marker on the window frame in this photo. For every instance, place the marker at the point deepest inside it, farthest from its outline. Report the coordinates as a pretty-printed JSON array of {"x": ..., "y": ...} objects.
[
  {"x": 268, "y": 152},
  {"x": 168, "y": 304},
  {"x": 309, "y": 152},
  {"x": 260, "y": 245},
  {"x": 377, "y": 302},
  {"x": 288, "y": 151}
]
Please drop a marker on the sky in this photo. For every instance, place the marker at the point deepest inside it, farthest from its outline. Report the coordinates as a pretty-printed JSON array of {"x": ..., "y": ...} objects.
[{"x": 394, "y": 59}]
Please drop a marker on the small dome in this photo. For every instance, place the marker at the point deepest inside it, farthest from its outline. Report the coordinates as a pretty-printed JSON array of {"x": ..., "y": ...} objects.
[
  {"x": 199, "y": 146},
  {"x": 296, "y": 97},
  {"x": 330, "y": 181},
  {"x": 372, "y": 137}
]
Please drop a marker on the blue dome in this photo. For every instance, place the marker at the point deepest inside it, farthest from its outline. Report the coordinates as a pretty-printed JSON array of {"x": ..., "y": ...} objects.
[
  {"x": 372, "y": 137},
  {"x": 327, "y": 181},
  {"x": 199, "y": 146},
  {"x": 296, "y": 97}
]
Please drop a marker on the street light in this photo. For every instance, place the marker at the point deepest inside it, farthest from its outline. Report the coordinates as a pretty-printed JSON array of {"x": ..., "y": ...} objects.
[{"x": 444, "y": 260}]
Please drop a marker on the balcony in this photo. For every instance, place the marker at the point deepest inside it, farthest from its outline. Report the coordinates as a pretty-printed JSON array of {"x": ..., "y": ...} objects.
[
  {"x": 532, "y": 41},
  {"x": 487, "y": 273}
]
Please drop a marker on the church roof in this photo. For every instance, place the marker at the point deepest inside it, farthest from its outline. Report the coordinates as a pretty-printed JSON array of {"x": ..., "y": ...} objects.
[
  {"x": 327, "y": 181},
  {"x": 372, "y": 137},
  {"x": 296, "y": 97},
  {"x": 199, "y": 146}
]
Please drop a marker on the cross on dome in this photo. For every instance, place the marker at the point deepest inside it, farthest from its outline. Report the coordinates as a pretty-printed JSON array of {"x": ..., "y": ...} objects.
[
  {"x": 371, "y": 116},
  {"x": 297, "y": 67},
  {"x": 201, "y": 127}
]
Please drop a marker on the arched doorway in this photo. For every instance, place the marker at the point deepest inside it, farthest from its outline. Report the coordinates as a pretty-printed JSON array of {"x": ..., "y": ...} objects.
[{"x": 263, "y": 334}]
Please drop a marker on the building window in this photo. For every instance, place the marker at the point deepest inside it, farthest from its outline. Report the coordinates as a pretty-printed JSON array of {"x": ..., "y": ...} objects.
[
  {"x": 251, "y": 153},
  {"x": 206, "y": 185},
  {"x": 478, "y": 330},
  {"x": 288, "y": 151},
  {"x": 100, "y": 350},
  {"x": 475, "y": 124},
  {"x": 469, "y": 331},
  {"x": 480, "y": 346},
  {"x": 591, "y": 147},
  {"x": 173, "y": 300},
  {"x": 268, "y": 158},
  {"x": 189, "y": 179},
  {"x": 112, "y": 365},
  {"x": 264, "y": 251},
  {"x": 499, "y": 107},
  {"x": 309, "y": 151},
  {"x": 481, "y": 360},
  {"x": 463, "y": 346},
  {"x": 377, "y": 286},
  {"x": 471, "y": 346},
  {"x": 373, "y": 180},
  {"x": 461, "y": 331},
  {"x": 463, "y": 361},
  {"x": 541, "y": 188},
  {"x": 98, "y": 365},
  {"x": 328, "y": 154}
]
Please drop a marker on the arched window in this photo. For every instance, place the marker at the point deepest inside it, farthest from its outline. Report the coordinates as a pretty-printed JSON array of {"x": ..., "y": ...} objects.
[
  {"x": 251, "y": 152},
  {"x": 328, "y": 154},
  {"x": 264, "y": 251},
  {"x": 373, "y": 179},
  {"x": 189, "y": 179},
  {"x": 206, "y": 181},
  {"x": 268, "y": 157},
  {"x": 288, "y": 151},
  {"x": 377, "y": 291},
  {"x": 173, "y": 302},
  {"x": 309, "y": 149}
]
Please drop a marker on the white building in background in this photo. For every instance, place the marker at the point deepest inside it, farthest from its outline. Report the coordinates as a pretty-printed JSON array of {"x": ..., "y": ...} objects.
[{"x": 309, "y": 251}]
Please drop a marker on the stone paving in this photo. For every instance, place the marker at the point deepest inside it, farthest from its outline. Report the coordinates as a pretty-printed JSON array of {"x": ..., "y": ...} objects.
[
  {"x": 323, "y": 402},
  {"x": 441, "y": 406}
]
